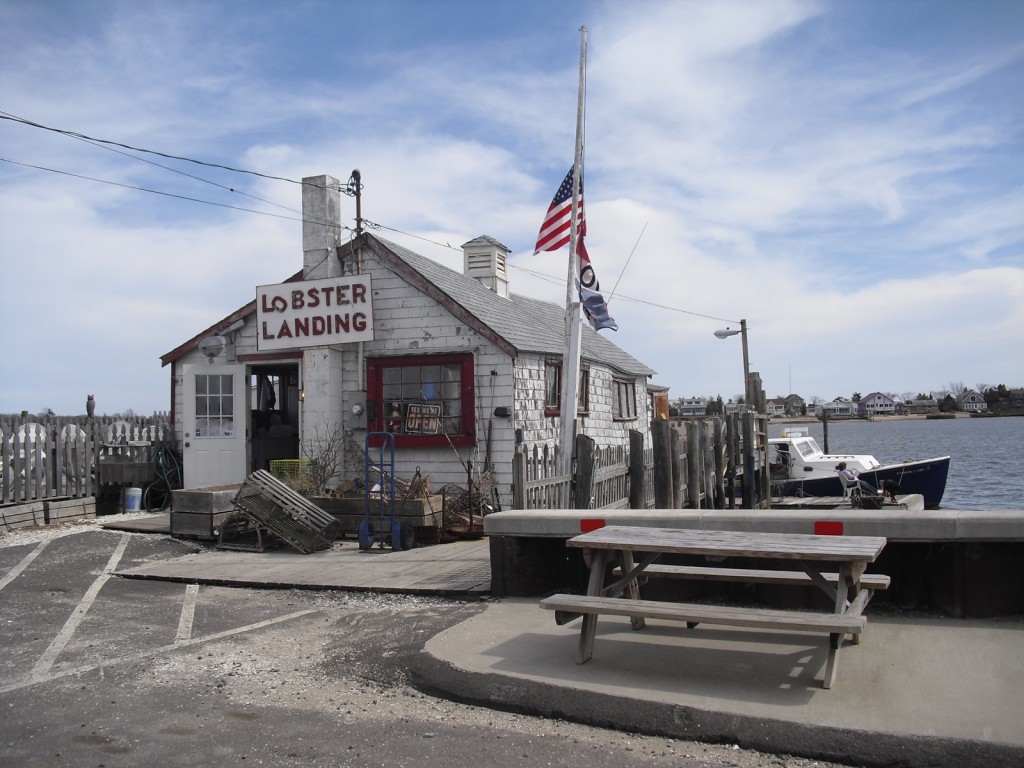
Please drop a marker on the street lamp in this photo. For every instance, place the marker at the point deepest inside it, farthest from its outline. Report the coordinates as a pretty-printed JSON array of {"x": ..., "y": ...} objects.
[{"x": 726, "y": 333}]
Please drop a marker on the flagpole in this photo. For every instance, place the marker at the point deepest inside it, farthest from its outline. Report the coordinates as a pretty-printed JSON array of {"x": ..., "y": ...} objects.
[{"x": 573, "y": 309}]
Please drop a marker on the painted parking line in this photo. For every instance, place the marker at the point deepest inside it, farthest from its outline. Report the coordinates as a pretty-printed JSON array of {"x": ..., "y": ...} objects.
[
  {"x": 188, "y": 612},
  {"x": 45, "y": 678},
  {"x": 68, "y": 630},
  {"x": 25, "y": 563}
]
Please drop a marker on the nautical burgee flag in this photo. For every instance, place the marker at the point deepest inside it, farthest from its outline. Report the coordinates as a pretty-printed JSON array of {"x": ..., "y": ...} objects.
[{"x": 554, "y": 233}]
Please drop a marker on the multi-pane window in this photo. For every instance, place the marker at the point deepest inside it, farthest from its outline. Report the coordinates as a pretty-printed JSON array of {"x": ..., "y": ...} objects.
[
  {"x": 425, "y": 399},
  {"x": 625, "y": 399},
  {"x": 215, "y": 405},
  {"x": 553, "y": 389}
]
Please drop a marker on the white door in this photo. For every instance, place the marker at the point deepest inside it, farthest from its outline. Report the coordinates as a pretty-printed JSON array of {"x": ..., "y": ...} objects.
[{"x": 214, "y": 422}]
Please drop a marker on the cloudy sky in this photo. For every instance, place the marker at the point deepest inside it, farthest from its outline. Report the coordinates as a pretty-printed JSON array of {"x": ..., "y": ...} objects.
[{"x": 847, "y": 177}]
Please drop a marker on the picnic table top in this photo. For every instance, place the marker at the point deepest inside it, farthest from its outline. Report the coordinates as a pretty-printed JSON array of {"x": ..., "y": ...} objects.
[{"x": 794, "y": 546}]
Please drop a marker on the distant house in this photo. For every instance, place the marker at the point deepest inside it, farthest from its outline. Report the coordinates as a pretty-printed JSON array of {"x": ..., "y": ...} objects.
[
  {"x": 692, "y": 406},
  {"x": 776, "y": 407},
  {"x": 971, "y": 402},
  {"x": 795, "y": 405},
  {"x": 373, "y": 338},
  {"x": 841, "y": 406},
  {"x": 922, "y": 407},
  {"x": 876, "y": 404},
  {"x": 1016, "y": 398}
]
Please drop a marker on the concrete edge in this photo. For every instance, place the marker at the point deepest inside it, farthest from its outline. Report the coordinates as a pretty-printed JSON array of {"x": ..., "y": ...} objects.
[
  {"x": 435, "y": 677},
  {"x": 896, "y": 525}
]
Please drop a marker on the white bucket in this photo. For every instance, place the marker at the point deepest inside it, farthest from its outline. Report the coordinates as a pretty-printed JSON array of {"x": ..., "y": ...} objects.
[{"x": 132, "y": 499}]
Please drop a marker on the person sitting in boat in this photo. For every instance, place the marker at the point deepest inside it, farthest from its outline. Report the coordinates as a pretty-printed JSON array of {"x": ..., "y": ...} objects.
[
  {"x": 853, "y": 478},
  {"x": 781, "y": 457}
]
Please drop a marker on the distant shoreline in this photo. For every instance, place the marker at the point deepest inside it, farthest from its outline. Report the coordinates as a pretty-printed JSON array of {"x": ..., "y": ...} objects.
[{"x": 833, "y": 420}]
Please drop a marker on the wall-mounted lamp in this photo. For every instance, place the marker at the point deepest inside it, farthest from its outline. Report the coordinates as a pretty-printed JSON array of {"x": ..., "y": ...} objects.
[
  {"x": 212, "y": 346},
  {"x": 302, "y": 394}
]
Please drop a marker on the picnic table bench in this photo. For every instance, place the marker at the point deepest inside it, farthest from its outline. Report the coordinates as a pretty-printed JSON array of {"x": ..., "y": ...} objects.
[{"x": 848, "y": 587}]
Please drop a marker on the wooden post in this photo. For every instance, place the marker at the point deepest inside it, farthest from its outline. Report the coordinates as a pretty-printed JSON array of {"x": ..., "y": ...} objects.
[
  {"x": 637, "y": 479},
  {"x": 678, "y": 481},
  {"x": 693, "y": 465},
  {"x": 824, "y": 429},
  {"x": 764, "y": 480},
  {"x": 585, "y": 469},
  {"x": 661, "y": 435},
  {"x": 732, "y": 451},
  {"x": 749, "y": 446},
  {"x": 519, "y": 478},
  {"x": 719, "y": 464},
  {"x": 708, "y": 460}
]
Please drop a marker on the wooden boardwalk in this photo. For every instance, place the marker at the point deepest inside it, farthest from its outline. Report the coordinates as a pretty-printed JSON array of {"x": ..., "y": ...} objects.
[{"x": 459, "y": 569}]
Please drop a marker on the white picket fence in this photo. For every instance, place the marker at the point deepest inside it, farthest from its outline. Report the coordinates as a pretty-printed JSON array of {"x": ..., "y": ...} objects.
[{"x": 58, "y": 457}]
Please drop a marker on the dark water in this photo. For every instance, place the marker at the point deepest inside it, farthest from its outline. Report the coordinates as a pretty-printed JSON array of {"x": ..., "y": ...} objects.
[{"x": 986, "y": 470}]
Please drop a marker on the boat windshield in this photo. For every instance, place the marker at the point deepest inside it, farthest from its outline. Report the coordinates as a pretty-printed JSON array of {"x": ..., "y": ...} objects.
[{"x": 807, "y": 447}]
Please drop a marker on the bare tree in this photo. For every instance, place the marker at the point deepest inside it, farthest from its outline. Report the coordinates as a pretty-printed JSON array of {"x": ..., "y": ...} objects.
[
  {"x": 957, "y": 388},
  {"x": 323, "y": 456}
]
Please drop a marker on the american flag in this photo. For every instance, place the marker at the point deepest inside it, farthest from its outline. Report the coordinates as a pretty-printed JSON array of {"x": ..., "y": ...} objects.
[{"x": 554, "y": 232}]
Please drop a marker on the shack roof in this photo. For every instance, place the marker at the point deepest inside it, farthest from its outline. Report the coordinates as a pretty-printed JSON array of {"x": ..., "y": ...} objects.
[{"x": 516, "y": 324}]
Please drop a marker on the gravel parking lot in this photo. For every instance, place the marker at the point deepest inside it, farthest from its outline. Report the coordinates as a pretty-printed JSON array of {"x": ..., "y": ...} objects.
[{"x": 104, "y": 671}]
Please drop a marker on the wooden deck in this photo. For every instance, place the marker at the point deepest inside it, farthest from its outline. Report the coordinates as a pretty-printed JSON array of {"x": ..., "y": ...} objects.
[{"x": 459, "y": 569}]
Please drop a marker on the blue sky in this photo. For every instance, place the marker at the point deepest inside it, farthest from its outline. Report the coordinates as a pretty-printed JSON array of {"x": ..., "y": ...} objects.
[{"x": 847, "y": 177}]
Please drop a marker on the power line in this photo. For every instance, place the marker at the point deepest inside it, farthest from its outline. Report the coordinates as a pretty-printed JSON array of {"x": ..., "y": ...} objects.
[
  {"x": 75, "y": 134},
  {"x": 159, "y": 192},
  {"x": 187, "y": 175},
  {"x": 89, "y": 139},
  {"x": 556, "y": 280}
]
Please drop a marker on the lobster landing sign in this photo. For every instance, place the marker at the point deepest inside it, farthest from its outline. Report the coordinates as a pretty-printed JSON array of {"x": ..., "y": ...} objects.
[{"x": 314, "y": 313}]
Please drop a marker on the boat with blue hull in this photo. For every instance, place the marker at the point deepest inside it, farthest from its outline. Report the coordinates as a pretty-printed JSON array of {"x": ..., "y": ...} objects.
[{"x": 800, "y": 468}]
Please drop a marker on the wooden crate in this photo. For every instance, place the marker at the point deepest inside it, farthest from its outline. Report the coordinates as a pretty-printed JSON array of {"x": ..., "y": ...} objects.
[
  {"x": 198, "y": 512},
  {"x": 350, "y": 511}
]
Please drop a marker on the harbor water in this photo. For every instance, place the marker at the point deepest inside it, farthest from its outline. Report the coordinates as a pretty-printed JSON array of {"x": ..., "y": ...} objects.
[{"x": 985, "y": 468}]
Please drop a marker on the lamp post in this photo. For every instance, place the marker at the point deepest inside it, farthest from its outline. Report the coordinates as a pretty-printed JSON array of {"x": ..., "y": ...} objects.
[{"x": 726, "y": 333}]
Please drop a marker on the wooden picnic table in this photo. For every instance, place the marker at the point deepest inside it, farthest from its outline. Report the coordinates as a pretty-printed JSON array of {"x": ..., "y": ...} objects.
[{"x": 635, "y": 552}]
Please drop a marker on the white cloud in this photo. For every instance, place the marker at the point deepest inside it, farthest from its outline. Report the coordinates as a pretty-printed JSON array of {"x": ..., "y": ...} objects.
[{"x": 796, "y": 164}]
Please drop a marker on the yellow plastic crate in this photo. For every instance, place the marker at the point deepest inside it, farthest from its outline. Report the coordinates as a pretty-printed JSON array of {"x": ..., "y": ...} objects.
[{"x": 288, "y": 469}]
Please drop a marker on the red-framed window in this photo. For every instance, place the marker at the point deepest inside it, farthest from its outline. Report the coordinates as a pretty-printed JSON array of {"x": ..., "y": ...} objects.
[
  {"x": 553, "y": 389},
  {"x": 424, "y": 400}
]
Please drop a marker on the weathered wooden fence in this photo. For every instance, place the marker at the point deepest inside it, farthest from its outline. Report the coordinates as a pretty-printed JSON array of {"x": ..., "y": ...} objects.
[
  {"x": 58, "y": 457},
  {"x": 709, "y": 463},
  {"x": 605, "y": 472}
]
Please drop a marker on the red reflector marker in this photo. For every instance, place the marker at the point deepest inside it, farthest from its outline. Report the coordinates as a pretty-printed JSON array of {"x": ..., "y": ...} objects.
[
  {"x": 588, "y": 524},
  {"x": 828, "y": 527}
]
